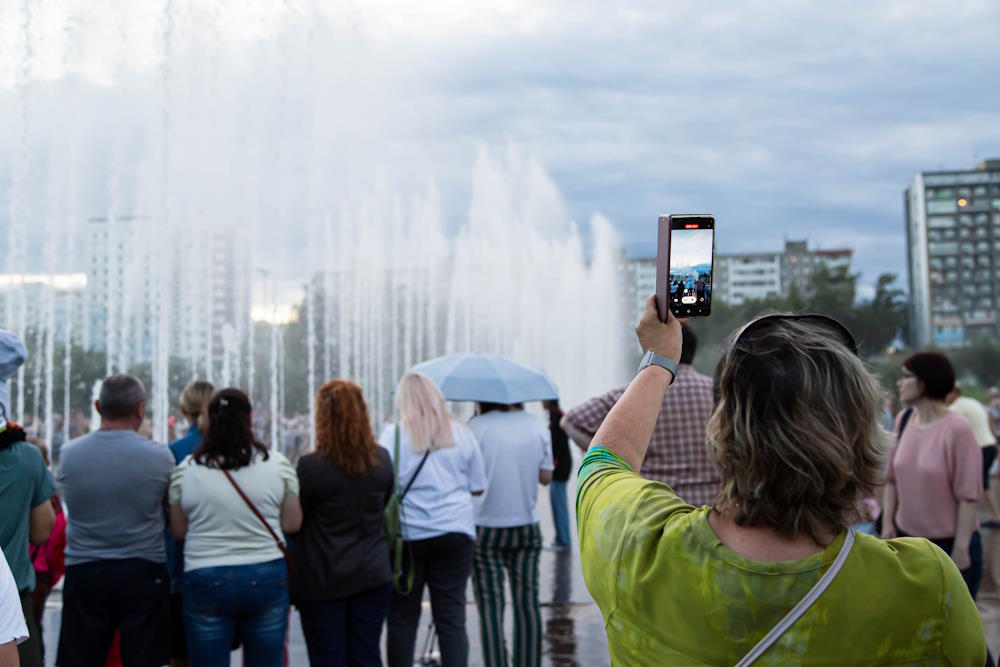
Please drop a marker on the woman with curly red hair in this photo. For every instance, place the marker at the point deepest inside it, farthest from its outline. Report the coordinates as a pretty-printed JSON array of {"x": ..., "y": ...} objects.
[{"x": 341, "y": 585}]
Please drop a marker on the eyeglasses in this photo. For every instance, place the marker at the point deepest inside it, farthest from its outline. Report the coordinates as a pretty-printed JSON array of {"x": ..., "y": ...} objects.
[{"x": 835, "y": 326}]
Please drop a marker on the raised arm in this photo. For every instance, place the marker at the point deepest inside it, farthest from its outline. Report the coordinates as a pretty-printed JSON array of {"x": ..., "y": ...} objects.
[{"x": 628, "y": 428}]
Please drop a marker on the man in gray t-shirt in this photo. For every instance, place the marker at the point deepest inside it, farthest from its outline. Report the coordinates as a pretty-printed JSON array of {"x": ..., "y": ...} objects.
[{"x": 113, "y": 483}]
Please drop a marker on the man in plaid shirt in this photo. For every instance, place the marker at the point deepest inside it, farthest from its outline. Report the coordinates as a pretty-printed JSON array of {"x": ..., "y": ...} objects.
[{"x": 677, "y": 454}]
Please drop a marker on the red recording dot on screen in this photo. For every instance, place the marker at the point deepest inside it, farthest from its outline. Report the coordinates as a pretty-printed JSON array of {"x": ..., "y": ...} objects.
[{"x": 690, "y": 226}]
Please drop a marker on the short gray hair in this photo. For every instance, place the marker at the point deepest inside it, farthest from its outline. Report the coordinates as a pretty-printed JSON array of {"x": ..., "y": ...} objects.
[{"x": 120, "y": 395}]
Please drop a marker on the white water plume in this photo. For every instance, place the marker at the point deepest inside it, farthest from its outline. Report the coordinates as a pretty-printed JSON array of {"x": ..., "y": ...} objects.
[{"x": 197, "y": 168}]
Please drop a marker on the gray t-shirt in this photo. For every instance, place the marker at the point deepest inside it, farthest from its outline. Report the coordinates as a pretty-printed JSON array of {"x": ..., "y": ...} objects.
[{"x": 113, "y": 484}]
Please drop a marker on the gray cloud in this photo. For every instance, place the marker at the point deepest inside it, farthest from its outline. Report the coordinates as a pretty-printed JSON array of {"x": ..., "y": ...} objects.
[{"x": 784, "y": 119}]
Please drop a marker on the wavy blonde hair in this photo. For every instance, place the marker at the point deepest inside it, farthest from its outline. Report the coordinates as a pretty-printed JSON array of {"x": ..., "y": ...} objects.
[
  {"x": 423, "y": 413},
  {"x": 795, "y": 434},
  {"x": 194, "y": 403}
]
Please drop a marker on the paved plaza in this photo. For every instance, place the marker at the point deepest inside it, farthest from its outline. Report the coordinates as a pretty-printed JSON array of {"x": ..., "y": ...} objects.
[{"x": 574, "y": 629}]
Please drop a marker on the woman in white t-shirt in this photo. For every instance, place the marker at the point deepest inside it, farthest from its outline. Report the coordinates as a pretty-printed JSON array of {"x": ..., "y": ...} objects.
[
  {"x": 235, "y": 577},
  {"x": 441, "y": 457}
]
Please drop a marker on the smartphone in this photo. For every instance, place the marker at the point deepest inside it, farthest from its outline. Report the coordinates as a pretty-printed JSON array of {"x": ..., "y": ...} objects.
[{"x": 685, "y": 257}]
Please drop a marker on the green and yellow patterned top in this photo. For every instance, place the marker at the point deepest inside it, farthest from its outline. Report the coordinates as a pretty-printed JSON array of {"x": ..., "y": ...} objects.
[{"x": 672, "y": 594}]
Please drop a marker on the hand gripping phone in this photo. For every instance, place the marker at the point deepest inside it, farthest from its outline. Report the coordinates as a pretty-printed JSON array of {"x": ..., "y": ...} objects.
[{"x": 685, "y": 257}]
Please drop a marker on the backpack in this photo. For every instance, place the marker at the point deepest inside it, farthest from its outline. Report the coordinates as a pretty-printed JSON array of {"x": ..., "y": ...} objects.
[{"x": 394, "y": 525}]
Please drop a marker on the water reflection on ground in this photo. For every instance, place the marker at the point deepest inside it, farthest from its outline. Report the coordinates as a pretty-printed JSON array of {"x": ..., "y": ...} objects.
[{"x": 989, "y": 591}]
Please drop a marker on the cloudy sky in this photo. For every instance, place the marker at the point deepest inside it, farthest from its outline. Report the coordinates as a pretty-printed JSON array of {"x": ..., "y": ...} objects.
[{"x": 783, "y": 119}]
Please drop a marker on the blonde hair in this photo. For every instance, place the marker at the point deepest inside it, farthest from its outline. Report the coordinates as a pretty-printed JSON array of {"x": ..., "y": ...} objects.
[
  {"x": 796, "y": 435},
  {"x": 194, "y": 403},
  {"x": 423, "y": 413}
]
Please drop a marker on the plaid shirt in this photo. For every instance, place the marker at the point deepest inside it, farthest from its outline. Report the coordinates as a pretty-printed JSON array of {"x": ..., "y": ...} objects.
[{"x": 677, "y": 455}]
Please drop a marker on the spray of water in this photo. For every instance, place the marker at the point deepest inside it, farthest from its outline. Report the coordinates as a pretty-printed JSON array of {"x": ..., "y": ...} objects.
[{"x": 392, "y": 279}]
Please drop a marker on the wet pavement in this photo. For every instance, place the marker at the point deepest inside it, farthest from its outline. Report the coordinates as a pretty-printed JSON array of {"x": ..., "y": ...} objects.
[
  {"x": 572, "y": 623},
  {"x": 988, "y": 600}
]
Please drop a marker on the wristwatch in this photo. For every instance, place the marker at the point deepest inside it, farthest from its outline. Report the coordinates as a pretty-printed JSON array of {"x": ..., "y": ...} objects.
[{"x": 654, "y": 359}]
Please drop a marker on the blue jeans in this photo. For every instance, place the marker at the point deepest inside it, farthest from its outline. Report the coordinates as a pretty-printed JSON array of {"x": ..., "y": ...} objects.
[
  {"x": 345, "y": 631},
  {"x": 560, "y": 512},
  {"x": 251, "y": 600}
]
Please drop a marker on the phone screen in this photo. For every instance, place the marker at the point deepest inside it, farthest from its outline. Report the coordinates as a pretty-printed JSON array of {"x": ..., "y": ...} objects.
[{"x": 692, "y": 250}]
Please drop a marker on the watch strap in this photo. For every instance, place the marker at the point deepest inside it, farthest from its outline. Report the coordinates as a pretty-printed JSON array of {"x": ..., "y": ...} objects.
[{"x": 653, "y": 359}]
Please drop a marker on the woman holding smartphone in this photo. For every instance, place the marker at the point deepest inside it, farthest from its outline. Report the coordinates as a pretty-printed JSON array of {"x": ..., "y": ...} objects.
[{"x": 772, "y": 568}]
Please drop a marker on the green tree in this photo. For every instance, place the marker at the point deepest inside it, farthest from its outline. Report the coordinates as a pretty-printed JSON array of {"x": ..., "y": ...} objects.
[
  {"x": 86, "y": 368},
  {"x": 832, "y": 292},
  {"x": 879, "y": 321},
  {"x": 980, "y": 360},
  {"x": 874, "y": 323}
]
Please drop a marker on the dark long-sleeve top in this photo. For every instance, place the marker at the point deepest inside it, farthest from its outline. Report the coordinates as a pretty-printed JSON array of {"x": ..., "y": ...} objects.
[
  {"x": 341, "y": 549},
  {"x": 560, "y": 452}
]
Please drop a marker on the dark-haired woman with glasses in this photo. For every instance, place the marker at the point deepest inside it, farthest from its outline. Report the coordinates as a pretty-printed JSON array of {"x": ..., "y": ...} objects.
[
  {"x": 230, "y": 501},
  {"x": 771, "y": 568},
  {"x": 934, "y": 480}
]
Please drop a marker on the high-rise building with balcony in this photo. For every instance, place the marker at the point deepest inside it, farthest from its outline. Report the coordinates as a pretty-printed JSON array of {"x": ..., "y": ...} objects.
[{"x": 953, "y": 255}]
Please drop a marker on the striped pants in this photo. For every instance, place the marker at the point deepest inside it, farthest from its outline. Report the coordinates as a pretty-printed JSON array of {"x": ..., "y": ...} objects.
[{"x": 515, "y": 550}]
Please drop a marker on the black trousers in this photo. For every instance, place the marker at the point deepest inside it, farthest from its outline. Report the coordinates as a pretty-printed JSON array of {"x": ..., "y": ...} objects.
[
  {"x": 444, "y": 563},
  {"x": 29, "y": 652},
  {"x": 102, "y": 596}
]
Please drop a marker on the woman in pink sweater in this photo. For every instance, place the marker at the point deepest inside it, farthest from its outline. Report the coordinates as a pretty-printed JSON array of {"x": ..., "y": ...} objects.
[{"x": 934, "y": 480}]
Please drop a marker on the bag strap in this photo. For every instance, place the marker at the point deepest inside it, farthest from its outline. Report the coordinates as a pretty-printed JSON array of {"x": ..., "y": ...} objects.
[
  {"x": 253, "y": 508},
  {"x": 395, "y": 470},
  {"x": 903, "y": 421},
  {"x": 395, "y": 461},
  {"x": 412, "y": 479},
  {"x": 803, "y": 605},
  {"x": 403, "y": 544}
]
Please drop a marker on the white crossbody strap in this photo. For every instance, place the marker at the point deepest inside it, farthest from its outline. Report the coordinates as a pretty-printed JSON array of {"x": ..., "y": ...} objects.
[{"x": 802, "y": 606}]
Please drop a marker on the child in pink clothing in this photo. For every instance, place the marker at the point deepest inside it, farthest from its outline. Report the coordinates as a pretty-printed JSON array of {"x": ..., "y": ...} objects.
[{"x": 49, "y": 559}]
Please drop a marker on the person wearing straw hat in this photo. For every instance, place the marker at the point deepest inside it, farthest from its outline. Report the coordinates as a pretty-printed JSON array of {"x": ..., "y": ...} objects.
[
  {"x": 771, "y": 570},
  {"x": 26, "y": 487}
]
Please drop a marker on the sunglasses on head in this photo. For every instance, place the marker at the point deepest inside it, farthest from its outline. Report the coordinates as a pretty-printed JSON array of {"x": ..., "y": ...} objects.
[{"x": 836, "y": 327}]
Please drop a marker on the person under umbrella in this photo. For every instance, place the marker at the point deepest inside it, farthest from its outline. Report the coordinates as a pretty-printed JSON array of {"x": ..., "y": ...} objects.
[{"x": 517, "y": 453}]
